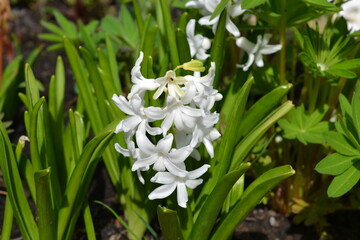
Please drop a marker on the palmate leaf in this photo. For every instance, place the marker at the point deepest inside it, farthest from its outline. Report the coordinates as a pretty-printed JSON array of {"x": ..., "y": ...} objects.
[
  {"x": 305, "y": 128},
  {"x": 345, "y": 164}
]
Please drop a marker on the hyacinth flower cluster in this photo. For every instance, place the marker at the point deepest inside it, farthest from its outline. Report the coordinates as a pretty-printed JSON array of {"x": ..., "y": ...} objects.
[
  {"x": 186, "y": 122},
  {"x": 199, "y": 44}
]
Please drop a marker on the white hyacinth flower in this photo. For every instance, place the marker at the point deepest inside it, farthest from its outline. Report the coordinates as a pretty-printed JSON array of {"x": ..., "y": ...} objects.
[
  {"x": 170, "y": 82},
  {"x": 198, "y": 44},
  {"x": 161, "y": 156},
  {"x": 141, "y": 84},
  {"x": 208, "y": 7},
  {"x": 255, "y": 51},
  {"x": 351, "y": 12},
  {"x": 135, "y": 108},
  {"x": 172, "y": 181},
  {"x": 186, "y": 114}
]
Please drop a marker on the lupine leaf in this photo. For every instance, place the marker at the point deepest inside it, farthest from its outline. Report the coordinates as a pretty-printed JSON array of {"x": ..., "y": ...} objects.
[
  {"x": 305, "y": 128},
  {"x": 340, "y": 144},
  {"x": 342, "y": 183},
  {"x": 335, "y": 164}
]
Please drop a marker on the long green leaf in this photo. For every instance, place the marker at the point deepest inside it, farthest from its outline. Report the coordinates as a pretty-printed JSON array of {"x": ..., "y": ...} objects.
[
  {"x": 245, "y": 146},
  {"x": 217, "y": 48},
  {"x": 8, "y": 220},
  {"x": 169, "y": 30},
  {"x": 169, "y": 223},
  {"x": 212, "y": 206},
  {"x": 84, "y": 85},
  {"x": 22, "y": 212},
  {"x": 251, "y": 197},
  {"x": 44, "y": 209},
  {"x": 247, "y": 4},
  {"x": 77, "y": 185}
]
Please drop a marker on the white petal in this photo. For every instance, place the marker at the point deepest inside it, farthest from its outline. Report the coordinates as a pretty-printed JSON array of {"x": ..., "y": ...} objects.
[
  {"x": 231, "y": 27},
  {"x": 122, "y": 150},
  {"x": 162, "y": 191},
  {"x": 193, "y": 183},
  {"x": 164, "y": 145},
  {"x": 144, "y": 163},
  {"x": 167, "y": 122},
  {"x": 163, "y": 178},
  {"x": 245, "y": 44},
  {"x": 123, "y": 104},
  {"x": 144, "y": 143},
  {"x": 182, "y": 195},
  {"x": 179, "y": 155},
  {"x": 198, "y": 172}
]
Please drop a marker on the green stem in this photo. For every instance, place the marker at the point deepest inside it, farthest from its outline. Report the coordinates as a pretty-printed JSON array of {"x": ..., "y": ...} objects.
[
  {"x": 313, "y": 94},
  {"x": 282, "y": 64}
]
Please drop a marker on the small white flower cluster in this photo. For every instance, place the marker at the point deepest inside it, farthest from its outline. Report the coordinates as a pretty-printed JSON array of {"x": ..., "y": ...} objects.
[
  {"x": 199, "y": 44},
  {"x": 187, "y": 121}
]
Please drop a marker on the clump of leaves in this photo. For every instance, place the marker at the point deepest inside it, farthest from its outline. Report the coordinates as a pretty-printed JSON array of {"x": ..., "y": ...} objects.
[
  {"x": 326, "y": 54},
  {"x": 345, "y": 163}
]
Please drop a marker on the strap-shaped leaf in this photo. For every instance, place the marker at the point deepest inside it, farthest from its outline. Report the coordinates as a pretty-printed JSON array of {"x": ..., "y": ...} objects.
[
  {"x": 251, "y": 197},
  {"x": 16, "y": 194},
  {"x": 80, "y": 179},
  {"x": 169, "y": 223},
  {"x": 247, "y": 4},
  {"x": 219, "y": 8},
  {"x": 44, "y": 209},
  {"x": 244, "y": 147},
  {"x": 213, "y": 204}
]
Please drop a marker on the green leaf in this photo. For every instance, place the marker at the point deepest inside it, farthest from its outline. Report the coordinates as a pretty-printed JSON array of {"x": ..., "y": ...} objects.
[
  {"x": 340, "y": 144},
  {"x": 262, "y": 108},
  {"x": 219, "y": 8},
  {"x": 229, "y": 140},
  {"x": 170, "y": 33},
  {"x": 16, "y": 194},
  {"x": 250, "y": 198},
  {"x": 8, "y": 220},
  {"x": 169, "y": 223},
  {"x": 217, "y": 48},
  {"x": 247, "y": 143},
  {"x": 356, "y": 111},
  {"x": 323, "y": 3},
  {"x": 68, "y": 27},
  {"x": 45, "y": 213},
  {"x": 247, "y": 4},
  {"x": 335, "y": 164},
  {"x": 212, "y": 206},
  {"x": 348, "y": 64},
  {"x": 341, "y": 73},
  {"x": 305, "y": 128},
  {"x": 343, "y": 183},
  {"x": 80, "y": 179}
]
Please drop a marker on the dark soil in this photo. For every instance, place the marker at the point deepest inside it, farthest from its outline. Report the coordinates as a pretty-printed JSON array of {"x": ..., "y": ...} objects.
[{"x": 261, "y": 224}]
